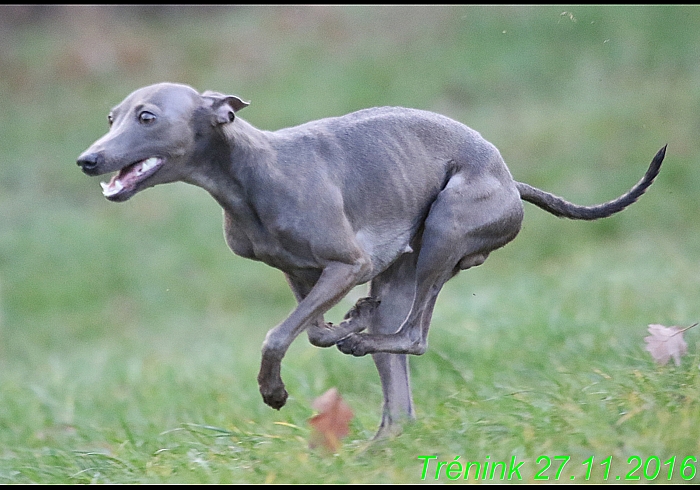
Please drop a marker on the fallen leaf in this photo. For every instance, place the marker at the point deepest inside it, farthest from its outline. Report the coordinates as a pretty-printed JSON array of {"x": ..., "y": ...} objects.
[
  {"x": 332, "y": 422},
  {"x": 666, "y": 342}
]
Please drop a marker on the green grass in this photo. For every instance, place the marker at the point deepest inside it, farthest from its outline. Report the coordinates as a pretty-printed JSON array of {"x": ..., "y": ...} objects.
[{"x": 130, "y": 335}]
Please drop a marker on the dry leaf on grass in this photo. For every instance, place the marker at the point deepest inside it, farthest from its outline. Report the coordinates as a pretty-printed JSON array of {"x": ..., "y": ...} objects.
[
  {"x": 666, "y": 342},
  {"x": 332, "y": 422}
]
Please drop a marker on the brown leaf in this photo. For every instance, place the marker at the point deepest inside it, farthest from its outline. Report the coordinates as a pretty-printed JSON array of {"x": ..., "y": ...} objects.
[
  {"x": 666, "y": 342},
  {"x": 332, "y": 421}
]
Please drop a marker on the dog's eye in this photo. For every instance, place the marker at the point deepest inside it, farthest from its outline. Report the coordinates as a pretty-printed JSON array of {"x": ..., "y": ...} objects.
[{"x": 147, "y": 117}]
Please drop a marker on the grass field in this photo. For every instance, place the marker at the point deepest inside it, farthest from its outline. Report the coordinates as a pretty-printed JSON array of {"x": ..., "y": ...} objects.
[{"x": 130, "y": 334}]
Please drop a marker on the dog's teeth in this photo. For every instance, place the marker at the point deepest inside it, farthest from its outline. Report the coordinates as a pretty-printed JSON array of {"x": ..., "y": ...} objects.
[
  {"x": 149, "y": 164},
  {"x": 111, "y": 188}
]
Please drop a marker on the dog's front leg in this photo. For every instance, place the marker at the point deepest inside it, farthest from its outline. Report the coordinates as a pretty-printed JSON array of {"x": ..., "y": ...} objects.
[
  {"x": 356, "y": 320},
  {"x": 336, "y": 280},
  {"x": 322, "y": 334}
]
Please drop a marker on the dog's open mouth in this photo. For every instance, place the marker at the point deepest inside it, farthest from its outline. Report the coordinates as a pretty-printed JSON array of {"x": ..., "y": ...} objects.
[{"x": 129, "y": 177}]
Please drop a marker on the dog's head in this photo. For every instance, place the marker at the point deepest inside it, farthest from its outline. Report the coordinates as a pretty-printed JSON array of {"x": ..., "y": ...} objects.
[{"x": 155, "y": 136}]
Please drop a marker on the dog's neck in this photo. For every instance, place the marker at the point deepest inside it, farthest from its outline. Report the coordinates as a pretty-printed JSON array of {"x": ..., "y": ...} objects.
[{"x": 242, "y": 153}]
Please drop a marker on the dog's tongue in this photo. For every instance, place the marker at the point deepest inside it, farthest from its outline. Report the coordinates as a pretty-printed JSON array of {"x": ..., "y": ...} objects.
[{"x": 128, "y": 176}]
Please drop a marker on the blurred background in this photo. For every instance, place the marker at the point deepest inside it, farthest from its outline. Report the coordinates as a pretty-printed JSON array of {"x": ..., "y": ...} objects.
[{"x": 577, "y": 99}]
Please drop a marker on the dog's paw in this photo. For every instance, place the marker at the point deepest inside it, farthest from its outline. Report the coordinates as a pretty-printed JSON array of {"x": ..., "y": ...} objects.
[
  {"x": 326, "y": 335},
  {"x": 353, "y": 345},
  {"x": 356, "y": 320},
  {"x": 276, "y": 397},
  {"x": 362, "y": 308}
]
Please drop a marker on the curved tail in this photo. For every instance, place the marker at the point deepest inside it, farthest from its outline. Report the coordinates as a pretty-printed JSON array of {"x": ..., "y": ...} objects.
[{"x": 564, "y": 209}]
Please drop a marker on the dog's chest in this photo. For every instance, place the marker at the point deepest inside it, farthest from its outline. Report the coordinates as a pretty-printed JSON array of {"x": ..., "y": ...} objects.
[{"x": 252, "y": 241}]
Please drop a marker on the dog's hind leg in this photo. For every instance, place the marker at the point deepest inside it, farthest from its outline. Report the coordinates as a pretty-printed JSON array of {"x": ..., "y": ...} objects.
[
  {"x": 391, "y": 296},
  {"x": 394, "y": 288},
  {"x": 465, "y": 223},
  {"x": 382, "y": 313}
]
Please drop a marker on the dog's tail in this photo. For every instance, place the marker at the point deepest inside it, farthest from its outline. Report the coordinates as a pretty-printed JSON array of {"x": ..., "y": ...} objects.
[{"x": 564, "y": 209}]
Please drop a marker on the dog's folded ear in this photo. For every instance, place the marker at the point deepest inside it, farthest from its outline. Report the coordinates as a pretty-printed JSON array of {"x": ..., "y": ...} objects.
[{"x": 223, "y": 106}]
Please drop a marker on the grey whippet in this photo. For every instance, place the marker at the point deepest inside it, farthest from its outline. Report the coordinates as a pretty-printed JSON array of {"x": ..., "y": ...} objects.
[{"x": 400, "y": 197}]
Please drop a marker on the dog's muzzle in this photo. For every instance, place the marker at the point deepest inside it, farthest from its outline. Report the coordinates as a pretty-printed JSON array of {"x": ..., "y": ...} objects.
[{"x": 90, "y": 163}]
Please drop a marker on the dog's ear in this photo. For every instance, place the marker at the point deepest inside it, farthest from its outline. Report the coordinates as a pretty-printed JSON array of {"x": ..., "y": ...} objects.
[{"x": 222, "y": 106}]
